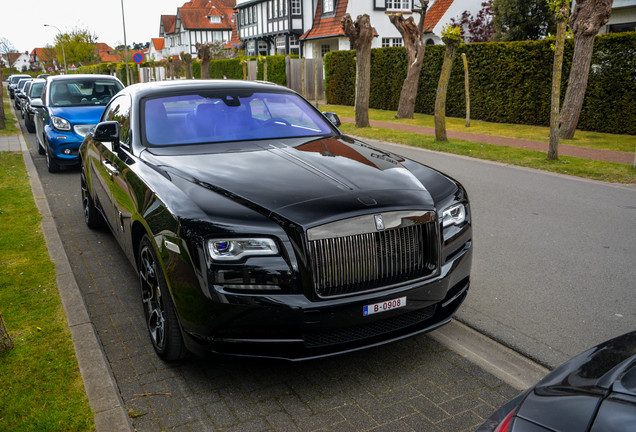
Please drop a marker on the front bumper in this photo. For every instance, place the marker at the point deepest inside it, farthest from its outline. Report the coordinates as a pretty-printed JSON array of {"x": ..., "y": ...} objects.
[
  {"x": 292, "y": 327},
  {"x": 64, "y": 146}
]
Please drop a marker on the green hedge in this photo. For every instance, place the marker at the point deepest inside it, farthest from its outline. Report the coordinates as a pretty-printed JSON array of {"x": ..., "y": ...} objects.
[{"x": 509, "y": 82}]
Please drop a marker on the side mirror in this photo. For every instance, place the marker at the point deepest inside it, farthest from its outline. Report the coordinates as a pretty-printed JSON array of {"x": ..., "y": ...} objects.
[
  {"x": 37, "y": 103},
  {"x": 333, "y": 118},
  {"x": 107, "y": 131}
]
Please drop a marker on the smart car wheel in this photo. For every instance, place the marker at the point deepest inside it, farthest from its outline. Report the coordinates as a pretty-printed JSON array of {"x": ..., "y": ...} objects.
[
  {"x": 161, "y": 318},
  {"x": 52, "y": 166},
  {"x": 92, "y": 217}
]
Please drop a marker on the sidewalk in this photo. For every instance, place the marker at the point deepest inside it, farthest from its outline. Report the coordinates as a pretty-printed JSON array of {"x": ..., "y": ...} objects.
[{"x": 564, "y": 149}]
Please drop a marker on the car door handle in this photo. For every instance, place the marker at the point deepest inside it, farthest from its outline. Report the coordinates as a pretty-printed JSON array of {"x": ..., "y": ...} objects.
[{"x": 110, "y": 168}]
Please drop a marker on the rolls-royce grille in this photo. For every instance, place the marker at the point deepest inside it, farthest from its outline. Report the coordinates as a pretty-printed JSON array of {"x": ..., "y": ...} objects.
[{"x": 365, "y": 262}]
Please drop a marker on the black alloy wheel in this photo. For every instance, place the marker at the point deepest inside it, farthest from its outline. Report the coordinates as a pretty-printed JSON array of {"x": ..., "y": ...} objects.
[
  {"x": 161, "y": 318},
  {"x": 92, "y": 216}
]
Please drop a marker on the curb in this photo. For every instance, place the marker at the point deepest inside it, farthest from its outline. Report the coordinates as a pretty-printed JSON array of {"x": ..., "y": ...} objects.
[{"x": 104, "y": 398}]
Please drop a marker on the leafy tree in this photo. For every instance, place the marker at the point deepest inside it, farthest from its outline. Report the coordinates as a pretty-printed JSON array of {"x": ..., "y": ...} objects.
[
  {"x": 79, "y": 47},
  {"x": 7, "y": 47},
  {"x": 519, "y": 20},
  {"x": 413, "y": 36},
  {"x": 586, "y": 20},
  {"x": 451, "y": 36},
  {"x": 360, "y": 34},
  {"x": 561, "y": 9},
  {"x": 478, "y": 28}
]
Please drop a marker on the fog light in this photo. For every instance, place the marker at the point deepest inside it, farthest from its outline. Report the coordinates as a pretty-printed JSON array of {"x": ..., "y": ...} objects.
[{"x": 66, "y": 151}]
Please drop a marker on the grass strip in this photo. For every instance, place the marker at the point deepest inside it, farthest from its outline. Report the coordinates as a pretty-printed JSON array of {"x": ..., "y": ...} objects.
[
  {"x": 595, "y": 140},
  {"x": 597, "y": 170},
  {"x": 41, "y": 388}
]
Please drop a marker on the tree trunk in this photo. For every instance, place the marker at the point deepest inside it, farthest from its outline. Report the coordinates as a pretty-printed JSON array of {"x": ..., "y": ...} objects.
[
  {"x": 6, "y": 344},
  {"x": 415, "y": 47},
  {"x": 360, "y": 33},
  {"x": 442, "y": 88},
  {"x": 466, "y": 89},
  {"x": 2, "y": 118},
  {"x": 203, "y": 53},
  {"x": 586, "y": 20},
  {"x": 553, "y": 149}
]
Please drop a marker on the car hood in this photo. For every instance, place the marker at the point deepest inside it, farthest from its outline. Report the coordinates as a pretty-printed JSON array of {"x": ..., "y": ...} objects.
[
  {"x": 89, "y": 114},
  {"x": 306, "y": 181},
  {"x": 570, "y": 397}
]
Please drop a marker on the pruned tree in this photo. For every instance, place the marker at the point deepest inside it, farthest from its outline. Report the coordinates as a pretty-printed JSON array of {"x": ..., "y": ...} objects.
[
  {"x": 587, "y": 18},
  {"x": 519, "y": 20},
  {"x": 479, "y": 28},
  {"x": 360, "y": 34},
  {"x": 413, "y": 37},
  {"x": 451, "y": 36},
  {"x": 203, "y": 53},
  {"x": 5, "y": 340},
  {"x": 6, "y": 48},
  {"x": 561, "y": 10},
  {"x": 187, "y": 61}
]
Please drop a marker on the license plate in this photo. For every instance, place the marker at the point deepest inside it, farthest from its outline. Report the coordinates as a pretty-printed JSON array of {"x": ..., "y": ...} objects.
[{"x": 384, "y": 306}]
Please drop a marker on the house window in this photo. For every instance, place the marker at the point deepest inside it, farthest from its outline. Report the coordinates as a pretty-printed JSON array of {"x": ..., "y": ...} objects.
[
  {"x": 324, "y": 49},
  {"x": 242, "y": 15},
  {"x": 215, "y": 19},
  {"x": 327, "y": 6},
  {"x": 296, "y": 7},
  {"x": 398, "y": 4},
  {"x": 392, "y": 42}
]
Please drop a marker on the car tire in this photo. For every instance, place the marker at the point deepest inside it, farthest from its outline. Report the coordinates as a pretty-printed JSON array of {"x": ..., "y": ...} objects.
[
  {"x": 30, "y": 126},
  {"x": 92, "y": 216},
  {"x": 51, "y": 165},
  {"x": 41, "y": 149},
  {"x": 159, "y": 311}
]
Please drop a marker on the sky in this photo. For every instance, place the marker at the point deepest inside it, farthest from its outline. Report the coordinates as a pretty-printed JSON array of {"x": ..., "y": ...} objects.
[{"x": 22, "y": 21}]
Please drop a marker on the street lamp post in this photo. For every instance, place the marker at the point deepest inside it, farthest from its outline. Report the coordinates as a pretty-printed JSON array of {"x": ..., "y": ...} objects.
[
  {"x": 123, "y": 21},
  {"x": 61, "y": 43}
]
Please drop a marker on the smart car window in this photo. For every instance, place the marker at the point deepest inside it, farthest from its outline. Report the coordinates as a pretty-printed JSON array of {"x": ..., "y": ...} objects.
[
  {"x": 221, "y": 117},
  {"x": 83, "y": 92},
  {"x": 36, "y": 90}
]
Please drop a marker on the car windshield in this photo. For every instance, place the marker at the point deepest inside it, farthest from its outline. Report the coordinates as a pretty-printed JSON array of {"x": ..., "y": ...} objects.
[
  {"x": 218, "y": 117},
  {"x": 36, "y": 90},
  {"x": 22, "y": 83},
  {"x": 83, "y": 92}
]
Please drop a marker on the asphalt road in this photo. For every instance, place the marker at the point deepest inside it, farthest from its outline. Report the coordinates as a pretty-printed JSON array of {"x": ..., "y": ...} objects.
[{"x": 554, "y": 268}]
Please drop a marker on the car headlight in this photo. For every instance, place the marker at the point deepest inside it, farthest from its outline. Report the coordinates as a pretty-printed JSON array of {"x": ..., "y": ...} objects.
[
  {"x": 60, "y": 124},
  {"x": 234, "y": 249},
  {"x": 454, "y": 215}
]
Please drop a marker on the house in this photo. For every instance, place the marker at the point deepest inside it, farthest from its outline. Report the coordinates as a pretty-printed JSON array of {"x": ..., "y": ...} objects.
[
  {"x": 326, "y": 34},
  {"x": 43, "y": 59},
  {"x": 107, "y": 54},
  {"x": 18, "y": 60},
  {"x": 269, "y": 27},
  {"x": 155, "y": 51},
  {"x": 197, "y": 21},
  {"x": 623, "y": 17}
]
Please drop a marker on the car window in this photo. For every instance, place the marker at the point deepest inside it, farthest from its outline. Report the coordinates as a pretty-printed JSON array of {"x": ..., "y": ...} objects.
[
  {"x": 226, "y": 116},
  {"x": 36, "y": 90},
  {"x": 119, "y": 111},
  {"x": 83, "y": 92}
]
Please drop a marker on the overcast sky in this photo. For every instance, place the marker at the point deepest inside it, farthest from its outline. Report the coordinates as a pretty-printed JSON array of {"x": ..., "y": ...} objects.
[{"x": 22, "y": 21}]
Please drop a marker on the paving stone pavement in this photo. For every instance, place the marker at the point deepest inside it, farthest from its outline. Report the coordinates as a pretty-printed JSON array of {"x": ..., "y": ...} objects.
[{"x": 413, "y": 385}]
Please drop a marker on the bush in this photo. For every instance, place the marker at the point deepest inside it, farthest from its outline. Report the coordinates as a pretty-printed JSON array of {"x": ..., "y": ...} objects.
[{"x": 509, "y": 82}]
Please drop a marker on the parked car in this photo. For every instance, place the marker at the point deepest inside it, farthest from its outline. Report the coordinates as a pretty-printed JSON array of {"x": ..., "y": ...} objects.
[
  {"x": 22, "y": 95},
  {"x": 12, "y": 82},
  {"x": 32, "y": 91},
  {"x": 17, "y": 92},
  {"x": 595, "y": 391},
  {"x": 69, "y": 107},
  {"x": 258, "y": 229},
  {"x": 43, "y": 75}
]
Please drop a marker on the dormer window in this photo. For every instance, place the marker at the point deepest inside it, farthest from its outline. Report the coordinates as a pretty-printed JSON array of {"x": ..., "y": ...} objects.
[
  {"x": 401, "y": 5},
  {"x": 214, "y": 19},
  {"x": 328, "y": 6}
]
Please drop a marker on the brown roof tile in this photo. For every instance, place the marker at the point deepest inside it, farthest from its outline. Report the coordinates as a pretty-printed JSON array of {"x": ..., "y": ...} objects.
[
  {"x": 106, "y": 53},
  {"x": 435, "y": 13},
  {"x": 158, "y": 43},
  {"x": 327, "y": 27},
  {"x": 168, "y": 22}
]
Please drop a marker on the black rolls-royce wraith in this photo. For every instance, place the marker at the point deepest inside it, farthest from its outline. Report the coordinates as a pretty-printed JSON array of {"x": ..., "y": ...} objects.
[{"x": 258, "y": 229}]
